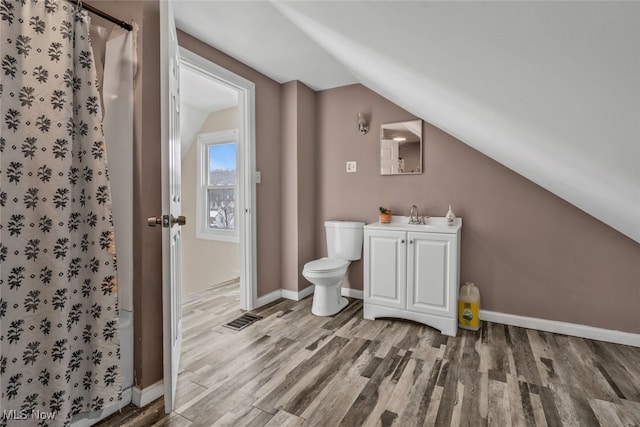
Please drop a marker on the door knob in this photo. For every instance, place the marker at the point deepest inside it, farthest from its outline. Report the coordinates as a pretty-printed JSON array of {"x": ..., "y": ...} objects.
[
  {"x": 166, "y": 220},
  {"x": 152, "y": 221},
  {"x": 181, "y": 220}
]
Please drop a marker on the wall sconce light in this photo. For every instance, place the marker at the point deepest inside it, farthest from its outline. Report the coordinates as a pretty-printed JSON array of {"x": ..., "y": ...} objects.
[{"x": 363, "y": 126}]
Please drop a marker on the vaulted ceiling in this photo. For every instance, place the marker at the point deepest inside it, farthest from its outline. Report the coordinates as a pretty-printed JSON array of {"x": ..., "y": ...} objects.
[
  {"x": 549, "y": 89},
  {"x": 199, "y": 97}
]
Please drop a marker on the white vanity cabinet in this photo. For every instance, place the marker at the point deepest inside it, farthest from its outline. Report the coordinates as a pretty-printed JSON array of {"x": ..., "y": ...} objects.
[{"x": 412, "y": 272}]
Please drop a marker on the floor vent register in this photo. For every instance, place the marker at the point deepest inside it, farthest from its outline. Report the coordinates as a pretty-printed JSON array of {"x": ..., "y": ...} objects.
[{"x": 242, "y": 321}]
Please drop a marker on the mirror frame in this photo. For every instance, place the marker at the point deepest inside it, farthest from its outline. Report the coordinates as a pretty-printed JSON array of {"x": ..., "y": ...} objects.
[{"x": 406, "y": 129}]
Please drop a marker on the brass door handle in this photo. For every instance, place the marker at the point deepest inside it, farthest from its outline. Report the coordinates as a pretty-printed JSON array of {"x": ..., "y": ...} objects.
[
  {"x": 152, "y": 221},
  {"x": 164, "y": 220}
]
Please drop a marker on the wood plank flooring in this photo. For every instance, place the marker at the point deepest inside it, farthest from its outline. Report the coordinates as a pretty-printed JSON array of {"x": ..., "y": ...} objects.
[{"x": 292, "y": 369}]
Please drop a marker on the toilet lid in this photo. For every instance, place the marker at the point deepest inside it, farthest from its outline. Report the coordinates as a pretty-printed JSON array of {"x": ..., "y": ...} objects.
[{"x": 325, "y": 264}]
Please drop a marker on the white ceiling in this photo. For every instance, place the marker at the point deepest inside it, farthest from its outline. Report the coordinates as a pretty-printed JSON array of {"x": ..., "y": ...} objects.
[
  {"x": 203, "y": 93},
  {"x": 549, "y": 89},
  {"x": 257, "y": 34},
  {"x": 199, "y": 97}
]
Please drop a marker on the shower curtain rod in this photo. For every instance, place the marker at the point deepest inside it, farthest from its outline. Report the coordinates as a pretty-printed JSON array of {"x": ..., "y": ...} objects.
[{"x": 104, "y": 15}]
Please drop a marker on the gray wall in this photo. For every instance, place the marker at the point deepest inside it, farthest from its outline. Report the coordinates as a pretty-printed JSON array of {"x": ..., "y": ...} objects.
[
  {"x": 530, "y": 252},
  {"x": 298, "y": 183}
]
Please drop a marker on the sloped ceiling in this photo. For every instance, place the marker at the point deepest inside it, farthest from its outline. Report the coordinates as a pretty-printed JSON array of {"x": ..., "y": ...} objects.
[
  {"x": 257, "y": 34},
  {"x": 549, "y": 89},
  {"x": 199, "y": 97}
]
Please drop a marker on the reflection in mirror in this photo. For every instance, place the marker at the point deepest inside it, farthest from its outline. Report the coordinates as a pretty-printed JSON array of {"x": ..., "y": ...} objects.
[{"x": 401, "y": 148}]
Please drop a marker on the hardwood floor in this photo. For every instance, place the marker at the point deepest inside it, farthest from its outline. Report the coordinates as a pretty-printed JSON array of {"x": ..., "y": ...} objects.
[{"x": 292, "y": 368}]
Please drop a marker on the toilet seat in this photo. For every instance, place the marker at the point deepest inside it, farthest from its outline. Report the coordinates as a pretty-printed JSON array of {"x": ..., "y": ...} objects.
[{"x": 325, "y": 265}]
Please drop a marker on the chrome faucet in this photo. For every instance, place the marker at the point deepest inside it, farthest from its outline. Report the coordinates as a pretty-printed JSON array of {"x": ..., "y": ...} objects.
[{"x": 415, "y": 218}]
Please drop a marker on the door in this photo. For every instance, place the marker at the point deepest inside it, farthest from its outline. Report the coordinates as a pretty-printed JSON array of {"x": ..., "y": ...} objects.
[
  {"x": 388, "y": 157},
  {"x": 385, "y": 267},
  {"x": 430, "y": 271},
  {"x": 171, "y": 219}
]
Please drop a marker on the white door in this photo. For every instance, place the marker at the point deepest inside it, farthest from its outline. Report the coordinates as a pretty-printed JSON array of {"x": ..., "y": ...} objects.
[
  {"x": 171, "y": 220},
  {"x": 385, "y": 268},
  {"x": 430, "y": 270},
  {"x": 388, "y": 157}
]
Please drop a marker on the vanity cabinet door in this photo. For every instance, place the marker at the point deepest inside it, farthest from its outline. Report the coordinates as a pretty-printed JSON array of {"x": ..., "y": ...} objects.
[
  {"x": 431, "y": 273},
  {"x": 385, "y": 267}
]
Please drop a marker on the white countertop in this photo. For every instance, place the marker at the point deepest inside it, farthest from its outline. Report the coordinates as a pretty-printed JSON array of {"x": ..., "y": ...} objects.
[{"x": 435, "y": 224}]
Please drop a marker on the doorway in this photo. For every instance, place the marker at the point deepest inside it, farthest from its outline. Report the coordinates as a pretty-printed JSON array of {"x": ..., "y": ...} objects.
[{"x": 218, "y": 188}]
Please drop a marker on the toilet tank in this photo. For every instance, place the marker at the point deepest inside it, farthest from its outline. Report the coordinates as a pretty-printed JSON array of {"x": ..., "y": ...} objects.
[{"x": 344, "y": 239}]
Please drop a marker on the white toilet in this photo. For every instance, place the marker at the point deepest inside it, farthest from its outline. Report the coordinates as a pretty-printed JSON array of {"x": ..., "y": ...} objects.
[{"x": 344, "y": 244}]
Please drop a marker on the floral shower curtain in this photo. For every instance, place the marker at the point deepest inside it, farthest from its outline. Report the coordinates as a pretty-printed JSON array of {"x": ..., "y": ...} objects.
[{"x": 59, "y": 344}]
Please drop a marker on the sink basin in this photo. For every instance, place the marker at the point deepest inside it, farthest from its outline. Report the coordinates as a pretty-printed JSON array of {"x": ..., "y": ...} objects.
[
  {"x": 420, "y": 226},
  {"x": 430, "y": 221}
]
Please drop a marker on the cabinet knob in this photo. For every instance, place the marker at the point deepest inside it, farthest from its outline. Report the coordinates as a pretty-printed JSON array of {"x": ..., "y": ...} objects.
[
  {"x": 410, "y": 241},
  {"x": 402, "y": 241}
]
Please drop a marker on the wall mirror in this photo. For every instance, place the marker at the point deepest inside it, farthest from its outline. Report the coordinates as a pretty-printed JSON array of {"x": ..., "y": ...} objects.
[{"x": 401, "y": 148}]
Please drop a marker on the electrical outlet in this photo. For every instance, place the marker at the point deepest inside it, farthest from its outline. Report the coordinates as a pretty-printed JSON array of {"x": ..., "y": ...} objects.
[
  {"x": 258, "y": 177},
  {"x": 351, "y": 166}
]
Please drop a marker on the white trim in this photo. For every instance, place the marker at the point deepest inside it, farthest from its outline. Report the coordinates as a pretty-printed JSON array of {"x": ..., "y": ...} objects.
[
  {"x": 269, "y": 298},
  {"x": 352, "y": 293},
  {"x": 142, "y": 398},
  {"x": 284, "y": 293},
  {"x": 246, "y": 180},
  {"x": 297, "y": 296},
  {"x": 565, "y": 328}
]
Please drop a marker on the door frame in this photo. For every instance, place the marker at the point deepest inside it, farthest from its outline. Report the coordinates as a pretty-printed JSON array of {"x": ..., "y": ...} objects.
[{"x": 247, "y": 179}]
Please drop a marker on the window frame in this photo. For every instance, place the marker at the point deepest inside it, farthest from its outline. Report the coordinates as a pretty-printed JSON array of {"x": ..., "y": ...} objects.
[{"x": 203, "y": 231}]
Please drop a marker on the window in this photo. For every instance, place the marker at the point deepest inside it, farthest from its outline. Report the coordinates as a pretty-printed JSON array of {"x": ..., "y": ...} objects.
[{"x": 217, "y": 186}]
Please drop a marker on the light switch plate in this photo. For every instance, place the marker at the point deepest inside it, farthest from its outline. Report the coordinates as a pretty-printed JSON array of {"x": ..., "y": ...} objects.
[
  {"x": 258, "y": 177},
  {"x": 351, "y": 166}
]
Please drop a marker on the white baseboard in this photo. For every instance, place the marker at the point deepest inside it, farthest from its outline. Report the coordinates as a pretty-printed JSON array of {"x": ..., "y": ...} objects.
[
  {"x": 284, "y": 293},
  {"x": 565, "y": 328},
  {"x": 306, "y": 292},
  {"x": 269, "y": 298},
  {"x": 352, "y": 293},
  {"x": 297, "y": 296},
  {"x": 287, "y": 294},
  {"x": 142, "y": 397}
]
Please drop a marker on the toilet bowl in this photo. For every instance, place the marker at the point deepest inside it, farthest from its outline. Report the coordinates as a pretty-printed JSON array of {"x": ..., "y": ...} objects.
[
  {"x": 327, "y": 275},
  {"x": 344, "y": 244}
]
